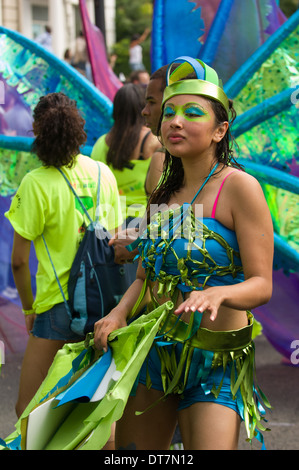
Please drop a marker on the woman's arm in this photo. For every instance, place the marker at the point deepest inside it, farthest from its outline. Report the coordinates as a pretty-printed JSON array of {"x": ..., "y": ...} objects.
[
  {"x": 22, "y": 275},
  {"x": 254, "y": 230},
  {"x": 141, "y": 38},
  {"x": 117, "y": 317}
]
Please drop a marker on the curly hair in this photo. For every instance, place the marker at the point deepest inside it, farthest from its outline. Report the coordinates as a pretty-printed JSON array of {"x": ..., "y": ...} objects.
[
  {"x": 173, "y": 171},
  {"x": 59, "y": 130}
]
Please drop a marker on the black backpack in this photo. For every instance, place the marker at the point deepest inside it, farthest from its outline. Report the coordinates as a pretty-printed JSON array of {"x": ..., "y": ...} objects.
[{"x": 96, "y": 283}]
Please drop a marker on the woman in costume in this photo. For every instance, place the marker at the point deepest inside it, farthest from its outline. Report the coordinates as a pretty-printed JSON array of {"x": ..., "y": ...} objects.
[
  {"x": 127, "y": 149},
  {"x": 215, "y": 265},
  {"x": 45, "y": 206}
]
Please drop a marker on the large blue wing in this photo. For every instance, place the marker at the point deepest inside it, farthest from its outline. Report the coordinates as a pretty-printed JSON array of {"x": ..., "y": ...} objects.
[
  {"x": 266, "y": 96},
  {"x": 267, "y": 130},
  {"x": 33, "y": 72},
  {"x": 223, "y": 33}
]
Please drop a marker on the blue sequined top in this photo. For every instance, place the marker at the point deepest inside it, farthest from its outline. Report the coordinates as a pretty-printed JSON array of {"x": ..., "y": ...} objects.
[{"x": 180, "y": 250}]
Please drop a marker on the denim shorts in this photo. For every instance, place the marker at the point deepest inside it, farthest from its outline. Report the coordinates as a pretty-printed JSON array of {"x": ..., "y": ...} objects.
[
  {"x": 54, "y": 324},
  {"x": 195, "y": 390}
]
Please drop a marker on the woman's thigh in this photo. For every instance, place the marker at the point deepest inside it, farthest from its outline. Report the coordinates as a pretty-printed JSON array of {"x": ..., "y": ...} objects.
[
  {"x": 151, "y": 430},
  {"x": 209, "y": 426},
  {"x": 38, "y": 358}
]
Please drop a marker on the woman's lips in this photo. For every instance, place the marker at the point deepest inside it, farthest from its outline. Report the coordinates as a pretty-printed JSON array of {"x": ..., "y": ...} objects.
[{"x": 175, "y": 138}]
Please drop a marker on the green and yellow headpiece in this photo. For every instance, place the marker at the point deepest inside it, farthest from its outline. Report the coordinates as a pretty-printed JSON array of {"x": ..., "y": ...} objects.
[{"x": 207, "y": 83}]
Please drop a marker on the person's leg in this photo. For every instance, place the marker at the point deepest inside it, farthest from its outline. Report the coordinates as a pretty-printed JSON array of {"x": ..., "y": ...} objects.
[
  {"x": 110, "y": 444},
  {"x": 51, "y": 331},
  {"x": 38, "y": 358},
  {"x": 209, "y": 426},
  {"x": 153, "y": 429}
]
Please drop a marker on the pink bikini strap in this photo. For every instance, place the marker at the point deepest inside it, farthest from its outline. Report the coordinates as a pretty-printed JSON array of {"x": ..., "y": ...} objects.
[{"x": 218, "y": 194}]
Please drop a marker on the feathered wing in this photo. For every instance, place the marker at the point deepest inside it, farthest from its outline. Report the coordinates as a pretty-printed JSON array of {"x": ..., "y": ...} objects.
[
  {"x": 263, "y": 91},
  {"x": 266, "y": 130},
  {"x": 212, "y": 30},
  {"x": 237, "y": 31},
  {"x": 177, "y": 29},
  {"x": 33, "y": 72}
]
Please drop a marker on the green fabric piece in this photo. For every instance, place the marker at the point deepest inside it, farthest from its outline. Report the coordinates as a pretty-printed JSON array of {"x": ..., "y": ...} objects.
[
  {"x": 61, "y": 365},
  {"x": 88, "y": 424}
]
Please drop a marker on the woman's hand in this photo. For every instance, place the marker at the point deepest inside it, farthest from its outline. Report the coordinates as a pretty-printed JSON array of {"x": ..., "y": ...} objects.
[
  {"x": 29, "y": 321},
  {"x": 120, "y": 241},
  {"x": 208, "y": 300},
  {"x": 102, "y": 328}
]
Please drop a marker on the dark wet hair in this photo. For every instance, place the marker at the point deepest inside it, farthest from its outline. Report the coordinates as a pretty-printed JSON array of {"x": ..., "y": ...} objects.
[
  {"x": 128, "y": 121},
  {"x": 59, "y": 130},
  {"x": 173, "y": 172}
]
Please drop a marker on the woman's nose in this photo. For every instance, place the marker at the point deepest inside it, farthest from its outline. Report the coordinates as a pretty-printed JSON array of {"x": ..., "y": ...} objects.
[{"x": 176, "y": 121}]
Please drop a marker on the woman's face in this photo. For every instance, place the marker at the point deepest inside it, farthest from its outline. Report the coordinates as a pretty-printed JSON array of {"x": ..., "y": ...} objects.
[{"x": 189, "y": 127}]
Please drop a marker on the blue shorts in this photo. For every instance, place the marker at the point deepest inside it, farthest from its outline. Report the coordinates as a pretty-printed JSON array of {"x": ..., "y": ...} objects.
[
  {"x": 198, "y": 387},
  {"x": 54, "y": 324}
]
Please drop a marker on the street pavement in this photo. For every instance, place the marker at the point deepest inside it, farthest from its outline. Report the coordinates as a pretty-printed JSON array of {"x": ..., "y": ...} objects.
[{"x": 279, "y": 382}]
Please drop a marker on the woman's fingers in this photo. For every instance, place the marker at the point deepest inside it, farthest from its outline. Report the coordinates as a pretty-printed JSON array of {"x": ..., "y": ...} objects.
[
  {"x": 104, "y": 327},
  {"x": 100, "y": 341},
  {"x": 198, "y": 302}
]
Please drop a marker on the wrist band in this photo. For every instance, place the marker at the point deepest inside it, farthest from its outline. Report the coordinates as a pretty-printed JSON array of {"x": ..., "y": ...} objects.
[{"x": 28, "y": 312}]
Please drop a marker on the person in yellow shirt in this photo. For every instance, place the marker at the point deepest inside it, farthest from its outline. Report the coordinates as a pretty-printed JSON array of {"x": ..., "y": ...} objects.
[
  {"x": 151, "y": 113},
  {"x": 127, "y": 148},
  {"x": 44, "y": 205}
]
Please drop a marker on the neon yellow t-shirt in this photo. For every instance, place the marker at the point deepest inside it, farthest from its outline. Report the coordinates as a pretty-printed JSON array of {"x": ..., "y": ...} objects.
[
  {"x": 44, "y": 204},
  {"x": 130, "y": 182}
]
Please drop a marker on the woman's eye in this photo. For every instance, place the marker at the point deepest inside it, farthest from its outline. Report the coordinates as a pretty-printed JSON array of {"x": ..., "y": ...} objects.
[
  {"x": 168, "y": 112},
  {"x": 194, "y": 112}
]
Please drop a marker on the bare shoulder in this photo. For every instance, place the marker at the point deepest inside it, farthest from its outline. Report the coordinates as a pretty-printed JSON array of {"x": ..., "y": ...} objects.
[
  {"x": 243, "y": 184},
  {"x": 247, "y": 197}
]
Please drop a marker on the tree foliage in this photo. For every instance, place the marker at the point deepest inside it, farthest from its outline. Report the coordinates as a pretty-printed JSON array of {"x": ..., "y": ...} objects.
[{"x": 132, "y": 17}]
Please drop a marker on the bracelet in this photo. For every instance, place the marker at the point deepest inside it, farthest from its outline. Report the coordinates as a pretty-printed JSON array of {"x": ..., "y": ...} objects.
[{"x": 28, "y": 312}]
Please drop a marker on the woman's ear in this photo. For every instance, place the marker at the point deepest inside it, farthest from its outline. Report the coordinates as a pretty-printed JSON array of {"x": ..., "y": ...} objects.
[{"x": 220, "y": 131}]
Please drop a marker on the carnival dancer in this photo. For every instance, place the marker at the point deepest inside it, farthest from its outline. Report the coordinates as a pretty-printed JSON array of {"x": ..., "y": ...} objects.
[{"x": 208, "y": 248}]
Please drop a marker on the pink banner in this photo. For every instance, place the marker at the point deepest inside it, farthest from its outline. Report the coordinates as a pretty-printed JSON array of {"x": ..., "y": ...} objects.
[{"x": 103, "y": 76}]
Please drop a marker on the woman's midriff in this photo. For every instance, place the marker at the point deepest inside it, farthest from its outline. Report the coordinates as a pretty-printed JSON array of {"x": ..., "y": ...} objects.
[{"x": 227, "y": 318}]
